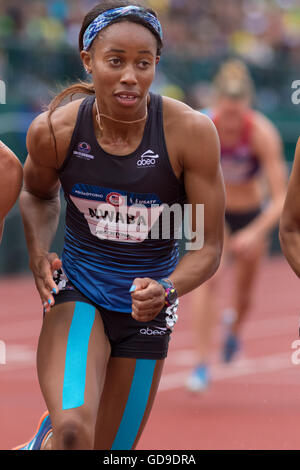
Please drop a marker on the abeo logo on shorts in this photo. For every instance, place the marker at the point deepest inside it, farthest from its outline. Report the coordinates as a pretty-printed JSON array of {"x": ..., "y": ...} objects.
[
  {"x": 149, "y": 332},
  {"x": 147, "y": 159}
]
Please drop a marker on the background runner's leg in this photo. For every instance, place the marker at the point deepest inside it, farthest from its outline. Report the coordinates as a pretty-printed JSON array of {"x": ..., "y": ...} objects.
[
  {"x": 245, "y": 276},
  {"x": 205, "y": 309}
]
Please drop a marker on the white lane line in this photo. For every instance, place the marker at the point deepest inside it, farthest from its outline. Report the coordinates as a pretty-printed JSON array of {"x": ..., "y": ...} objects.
[
  {"x": 182, "y": 357},
  {"x": 263, "y": 364},
  {"x": 22, "y": 356},
  {"x": 18, "y": 356},
  {"x": 251, "y": 330},
  {"x": 271, "y": 380}
]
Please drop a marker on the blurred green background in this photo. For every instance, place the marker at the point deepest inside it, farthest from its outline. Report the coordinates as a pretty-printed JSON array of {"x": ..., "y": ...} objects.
[{"x": 39, "y": 54}]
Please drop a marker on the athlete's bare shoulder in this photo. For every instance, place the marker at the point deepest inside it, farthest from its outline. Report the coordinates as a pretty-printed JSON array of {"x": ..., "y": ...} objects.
[
  {"x": 180, "y": 114},
  {"x": 191, "y": 132},
  {"x": 42, "y": 147}
]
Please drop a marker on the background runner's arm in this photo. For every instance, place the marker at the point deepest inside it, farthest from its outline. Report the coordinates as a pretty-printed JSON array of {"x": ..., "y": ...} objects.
[
  {"x": 289, "y": 232},
  {"x": 11, "y": 175},
  {"x": 204, "y": 185},
  {"x": 269, "y": 149}
]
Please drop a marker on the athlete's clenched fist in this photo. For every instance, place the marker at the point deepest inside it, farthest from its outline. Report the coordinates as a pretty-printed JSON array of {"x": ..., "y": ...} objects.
[{"x": 148, "y": 299}]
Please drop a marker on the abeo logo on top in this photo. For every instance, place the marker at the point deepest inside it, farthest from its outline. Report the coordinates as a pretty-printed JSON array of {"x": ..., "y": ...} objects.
[{"x": 148, "y": 159}]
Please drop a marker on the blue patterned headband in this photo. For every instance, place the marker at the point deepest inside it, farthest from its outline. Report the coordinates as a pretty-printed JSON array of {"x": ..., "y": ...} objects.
[{"x": 106, "y": 18}]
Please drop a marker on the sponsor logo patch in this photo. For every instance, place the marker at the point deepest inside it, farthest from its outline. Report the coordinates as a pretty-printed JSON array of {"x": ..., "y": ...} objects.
[
  {"x": 83, "y": 151},
  {"x": 84, "y": 147},
  {"x": 115, "y": 199},
  {"x": 148, "y": 159}
]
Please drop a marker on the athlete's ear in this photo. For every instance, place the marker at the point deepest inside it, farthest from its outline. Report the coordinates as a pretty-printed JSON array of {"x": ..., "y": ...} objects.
[
  {"x": 157, "y": 59},
  {"x": 86, "y": 60}
]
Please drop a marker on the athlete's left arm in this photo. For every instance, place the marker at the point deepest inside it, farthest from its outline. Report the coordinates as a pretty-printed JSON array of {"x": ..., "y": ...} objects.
[
  {"x": 269, "y": 149},
  {"x": 204, "y": 185},
  {"x": 11, "y": 176}
]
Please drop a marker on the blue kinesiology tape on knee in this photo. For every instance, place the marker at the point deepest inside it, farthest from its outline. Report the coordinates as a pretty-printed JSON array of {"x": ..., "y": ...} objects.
[
  {"x": 76, "y": 356},
  {"x": 136, "y": 405}
]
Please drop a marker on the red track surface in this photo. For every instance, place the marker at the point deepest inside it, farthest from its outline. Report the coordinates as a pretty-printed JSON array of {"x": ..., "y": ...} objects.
[{"x": 252, "y": 404}]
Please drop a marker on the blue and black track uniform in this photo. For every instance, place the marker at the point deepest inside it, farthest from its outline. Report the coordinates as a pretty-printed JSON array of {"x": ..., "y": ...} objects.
[
  {"x": 114, "y": 227},
  {"x": 239, "y": 165}
]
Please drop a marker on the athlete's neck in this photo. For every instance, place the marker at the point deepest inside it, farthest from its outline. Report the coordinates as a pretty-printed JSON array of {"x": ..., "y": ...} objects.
[
  {"x": 120, "y": 127},
  {"x": 120, "y": 134}
]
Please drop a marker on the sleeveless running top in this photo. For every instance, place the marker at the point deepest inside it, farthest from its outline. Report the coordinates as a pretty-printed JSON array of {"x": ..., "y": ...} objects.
[
  {"x": 114, "y": 203},
  {"x": 239, "y": 163}
]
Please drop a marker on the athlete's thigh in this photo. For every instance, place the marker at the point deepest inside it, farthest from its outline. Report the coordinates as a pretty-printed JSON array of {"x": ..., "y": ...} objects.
[
  {"x": 127, "y": 399},
  {"x": 72, "y": 356}
]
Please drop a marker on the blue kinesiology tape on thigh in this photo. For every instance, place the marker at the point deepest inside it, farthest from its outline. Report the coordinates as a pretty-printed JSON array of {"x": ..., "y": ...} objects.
[
  {"x": 76, "y": 356},
  {"x": 136, "y": 405}
]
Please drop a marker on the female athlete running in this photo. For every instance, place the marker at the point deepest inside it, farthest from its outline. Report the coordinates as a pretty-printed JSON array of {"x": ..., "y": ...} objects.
[
  {"x": 11, "y": 176},
  {"x": 251, "y": 158},
  {"x": 121, "y": 155},
  {"x": 289, "y": 228}
]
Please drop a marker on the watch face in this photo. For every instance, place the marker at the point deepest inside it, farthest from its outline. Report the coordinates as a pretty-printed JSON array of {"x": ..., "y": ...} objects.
[{"x": 172, "y": 296}]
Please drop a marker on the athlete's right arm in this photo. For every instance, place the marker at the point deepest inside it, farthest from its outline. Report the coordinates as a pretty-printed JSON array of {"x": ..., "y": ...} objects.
[
  {"x": 289, "y": 228},
  {"x": 40, "y": 206}
]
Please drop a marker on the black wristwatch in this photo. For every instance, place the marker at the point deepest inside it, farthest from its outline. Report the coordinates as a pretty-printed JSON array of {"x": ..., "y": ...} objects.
[{"x": 171, "y": 295}]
